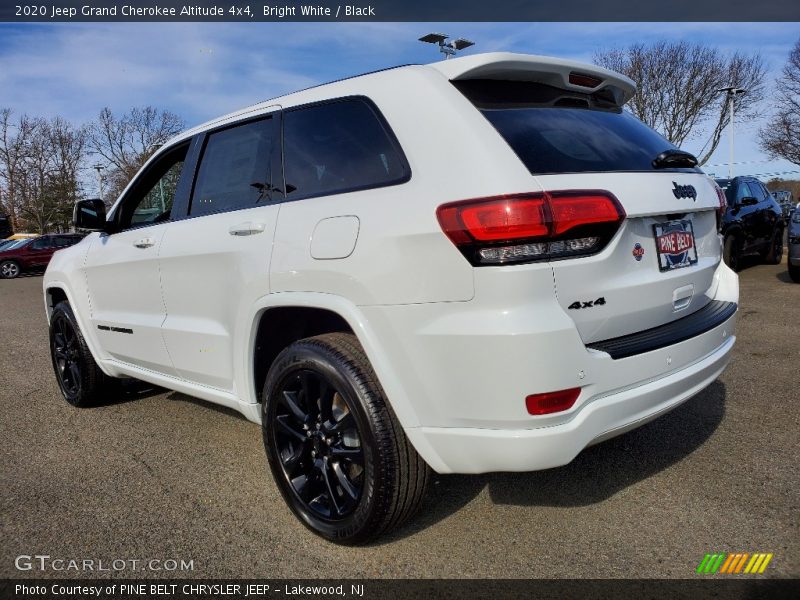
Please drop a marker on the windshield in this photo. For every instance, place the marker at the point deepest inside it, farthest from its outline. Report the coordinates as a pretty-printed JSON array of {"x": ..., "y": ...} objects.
[{"x": 16, "y": 244}]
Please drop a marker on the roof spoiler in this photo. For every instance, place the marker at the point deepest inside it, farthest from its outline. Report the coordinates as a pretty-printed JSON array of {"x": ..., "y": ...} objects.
[{"x": 563, "y": 74}]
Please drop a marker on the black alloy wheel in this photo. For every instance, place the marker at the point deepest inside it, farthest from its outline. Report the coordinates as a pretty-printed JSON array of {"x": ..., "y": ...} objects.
[
  {"x": 81, "y": 381},
  {"x": 66, "y": 355},
  {"x": 337, "y": 452},
  {"x": 319, "y": 445}
]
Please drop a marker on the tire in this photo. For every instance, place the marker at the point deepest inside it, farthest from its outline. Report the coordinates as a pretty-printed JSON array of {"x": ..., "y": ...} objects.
[
  {"x": 9, "y": 269},
  {"x": 81, "y": 381},
  {"x": 794, "y": 272},
  {"x": 775, "y": 252},
  {"x": 732, "y": 252},
  {"x": 342, "y": 462}
]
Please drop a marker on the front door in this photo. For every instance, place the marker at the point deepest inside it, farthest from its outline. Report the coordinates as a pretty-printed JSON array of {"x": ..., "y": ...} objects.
[{"x": 122, "y": 272}]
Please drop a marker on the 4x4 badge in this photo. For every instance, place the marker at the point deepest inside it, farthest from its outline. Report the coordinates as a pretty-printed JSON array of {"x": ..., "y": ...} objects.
[
  {"x": 684, "y": 191},
  {"x": 589, "y": 304}
]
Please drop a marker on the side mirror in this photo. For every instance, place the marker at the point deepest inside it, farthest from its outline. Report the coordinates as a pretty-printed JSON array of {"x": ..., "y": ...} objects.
[
  {"x": 89, "y": 215},
  {"x": 748, "y": 201}
]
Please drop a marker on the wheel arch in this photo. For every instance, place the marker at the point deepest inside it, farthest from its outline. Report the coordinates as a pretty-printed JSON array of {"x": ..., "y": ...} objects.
[
  {"x": 57, "y": 291},
  {"x": 328, "y": 313}
]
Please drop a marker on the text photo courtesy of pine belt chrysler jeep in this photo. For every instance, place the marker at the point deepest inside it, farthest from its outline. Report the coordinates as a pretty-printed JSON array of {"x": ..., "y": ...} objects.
[{"x": 479, "y": 265}]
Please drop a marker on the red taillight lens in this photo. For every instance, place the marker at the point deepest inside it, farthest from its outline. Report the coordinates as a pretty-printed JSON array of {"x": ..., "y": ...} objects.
[
  {"x": 527, "y": 227},
  {"x": 551, "y": 402},
  {"x": 573, "y": 211},
  {"x": 505, "y": 219}
]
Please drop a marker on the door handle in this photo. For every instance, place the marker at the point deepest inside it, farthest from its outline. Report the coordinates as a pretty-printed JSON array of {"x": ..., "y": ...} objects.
[
  {"x": 248, "y": 228},
  {"x": 144, "y": 243}
]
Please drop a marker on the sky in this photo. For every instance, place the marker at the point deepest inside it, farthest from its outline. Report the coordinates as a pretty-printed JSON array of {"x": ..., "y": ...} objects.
[{"x": 201, "y": 71}]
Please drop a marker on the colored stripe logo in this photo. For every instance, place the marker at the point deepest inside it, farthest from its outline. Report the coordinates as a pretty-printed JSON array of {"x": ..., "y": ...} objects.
[{"x": 734, "y": 563}]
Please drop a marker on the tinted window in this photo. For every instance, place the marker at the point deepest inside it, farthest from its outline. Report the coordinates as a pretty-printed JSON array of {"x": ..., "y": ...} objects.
[
  {"x": 42, "y": 243},
  {"x": 151, "y": 198},
  {"x": 554, "y": 131},
  {"x": 759, "y": 191},
  {"x": 743, "y": 191},
  {"x": 339, "y": 146},
  {"x": 235, "y": 169},
  {"x": 62, "y": 241}
]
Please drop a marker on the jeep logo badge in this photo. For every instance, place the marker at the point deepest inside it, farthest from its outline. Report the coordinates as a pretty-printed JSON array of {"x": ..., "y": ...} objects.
[{"x": 684, "y": 191}]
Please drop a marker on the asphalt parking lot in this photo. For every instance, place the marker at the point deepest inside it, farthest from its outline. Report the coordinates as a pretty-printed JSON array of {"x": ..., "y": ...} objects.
[{"x": 161, "y": 475}]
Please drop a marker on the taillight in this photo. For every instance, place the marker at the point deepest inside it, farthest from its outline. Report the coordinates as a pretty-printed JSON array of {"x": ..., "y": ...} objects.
[
  {"x": 551, "y": 402},
  {"x": 723, "y": 204},
  {"x": 529, "y": 227}
]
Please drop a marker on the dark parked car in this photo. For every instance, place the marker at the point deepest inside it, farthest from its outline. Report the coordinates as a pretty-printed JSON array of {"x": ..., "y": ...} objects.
[
  {"x": 753, "y": 222},
  {"x": 794, "y": 244},
  {"x": 33, "y": 254},
  {"x": 785, "y": 200}
]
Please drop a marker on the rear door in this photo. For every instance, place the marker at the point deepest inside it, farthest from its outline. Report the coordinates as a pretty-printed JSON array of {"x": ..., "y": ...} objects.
[
  {"x": 660, "y": 264},
  {"x": 215, "y": 259}
]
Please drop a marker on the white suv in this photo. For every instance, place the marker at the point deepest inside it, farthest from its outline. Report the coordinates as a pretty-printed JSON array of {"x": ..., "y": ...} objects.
[{"x": 483, "y": 264}]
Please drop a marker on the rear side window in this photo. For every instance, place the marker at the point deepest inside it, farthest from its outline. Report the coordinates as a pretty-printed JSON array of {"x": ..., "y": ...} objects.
[
  {"x": 235, "y": 169},
  {"x": 338, "y": 147},
  {"x": 64, "y": 241},
  {"x": 556, "y": 131}
]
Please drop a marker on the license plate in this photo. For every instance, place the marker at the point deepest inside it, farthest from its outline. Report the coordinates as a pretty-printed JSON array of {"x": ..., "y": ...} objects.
[{"x": 675, "y": 245}]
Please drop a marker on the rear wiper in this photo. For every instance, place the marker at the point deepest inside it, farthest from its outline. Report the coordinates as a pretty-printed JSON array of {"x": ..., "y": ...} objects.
[{"x": 674, "y": 158}]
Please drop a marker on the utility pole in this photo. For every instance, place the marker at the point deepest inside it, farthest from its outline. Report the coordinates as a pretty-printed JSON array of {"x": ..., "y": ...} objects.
[{"x": 731, "y": 92}]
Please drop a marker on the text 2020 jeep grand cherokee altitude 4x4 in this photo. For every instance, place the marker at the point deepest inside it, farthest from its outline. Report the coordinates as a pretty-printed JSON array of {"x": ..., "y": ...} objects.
[{"x": 479, "y": 265}]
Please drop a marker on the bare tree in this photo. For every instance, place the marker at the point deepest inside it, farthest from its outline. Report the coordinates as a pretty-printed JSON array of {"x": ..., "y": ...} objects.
[
  {"x": 14, "y": 137},
  {"x": 781, "y": 137},
  {"x": 678, "y": 87},
  {"x": 126, "y": 142},
  {"x": 39, "y": 170}
]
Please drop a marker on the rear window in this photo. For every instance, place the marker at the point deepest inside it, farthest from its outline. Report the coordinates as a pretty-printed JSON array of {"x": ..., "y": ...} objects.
[
  {"x": 556, "y": 131},
  {"x": 339, "y": 146}
]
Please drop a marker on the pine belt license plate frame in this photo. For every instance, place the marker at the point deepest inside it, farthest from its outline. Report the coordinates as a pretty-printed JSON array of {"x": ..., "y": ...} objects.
[{"x": 675, "y": 244}]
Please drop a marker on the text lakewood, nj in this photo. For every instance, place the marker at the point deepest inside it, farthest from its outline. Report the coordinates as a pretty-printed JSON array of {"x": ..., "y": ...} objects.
[{"x": 230, "y": 12}]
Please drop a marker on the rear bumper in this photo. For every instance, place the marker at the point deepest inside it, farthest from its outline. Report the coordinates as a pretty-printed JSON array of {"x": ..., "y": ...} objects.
[
  {"x": 468, "y": 366},
  {"x": 475, "y": 450}
]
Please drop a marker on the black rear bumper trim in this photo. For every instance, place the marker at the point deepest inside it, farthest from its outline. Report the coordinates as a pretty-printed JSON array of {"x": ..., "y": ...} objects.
[{"x": 711, "y": 315}]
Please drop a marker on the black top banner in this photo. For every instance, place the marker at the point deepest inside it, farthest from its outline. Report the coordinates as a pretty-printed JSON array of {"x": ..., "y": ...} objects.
[{"x": 400, "y": 10}]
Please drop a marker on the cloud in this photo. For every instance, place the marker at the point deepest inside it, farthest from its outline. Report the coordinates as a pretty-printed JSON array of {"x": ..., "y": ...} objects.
[{"x": 201, "y": 71}]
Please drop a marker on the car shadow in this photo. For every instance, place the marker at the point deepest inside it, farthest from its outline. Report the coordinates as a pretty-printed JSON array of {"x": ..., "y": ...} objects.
[
  {"x": 223, "y": 410},
  {"x": 596, "y": 474},
  {"x": 129, "y": 390},
  {"x": 784, "y": 277}
]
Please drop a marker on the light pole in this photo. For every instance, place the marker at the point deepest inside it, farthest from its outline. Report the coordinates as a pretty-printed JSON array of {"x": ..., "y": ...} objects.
[
  {"x": 447, "y": 48},
  {"x": 99, "y": 168},
  {"x": 731, "y": 92}
]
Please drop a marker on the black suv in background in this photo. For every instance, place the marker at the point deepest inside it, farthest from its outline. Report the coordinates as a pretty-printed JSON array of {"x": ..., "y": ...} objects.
[{"x": 753, "y": 222}]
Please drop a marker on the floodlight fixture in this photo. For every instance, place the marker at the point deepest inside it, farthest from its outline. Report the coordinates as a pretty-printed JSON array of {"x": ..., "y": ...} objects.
[{"x": 447, "y": 48}]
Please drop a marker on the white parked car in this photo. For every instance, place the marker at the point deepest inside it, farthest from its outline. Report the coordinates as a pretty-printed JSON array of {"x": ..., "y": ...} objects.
[{"x": 478, "y": 265}]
